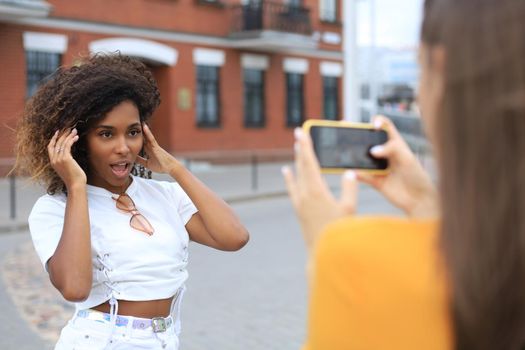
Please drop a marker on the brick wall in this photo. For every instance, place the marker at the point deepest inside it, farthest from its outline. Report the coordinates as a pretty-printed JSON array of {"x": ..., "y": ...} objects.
[
  {"x": 176, "y": 129},
  {"x": 181, "y": 15},
  {"x": 12, "y": 85}
]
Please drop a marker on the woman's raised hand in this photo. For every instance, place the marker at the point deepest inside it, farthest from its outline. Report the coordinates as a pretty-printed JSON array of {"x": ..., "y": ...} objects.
[
  {"x": 158, "y": 159},
  {"x": 314, "y": 204},
  {"x": 61, "y": 160},
  {"x": 406, "y": 185}
]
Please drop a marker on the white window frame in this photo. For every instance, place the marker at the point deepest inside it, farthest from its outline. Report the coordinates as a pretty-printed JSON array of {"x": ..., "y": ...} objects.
[
  {"x": 209, "y": 57},
  {"x": 251, "y": 61},
  {"x": 139, "y": 48},
  {"x": 45, "y": 42},
  {"x": 295, "y": 65},
  {"x": 331, "y": 69}
]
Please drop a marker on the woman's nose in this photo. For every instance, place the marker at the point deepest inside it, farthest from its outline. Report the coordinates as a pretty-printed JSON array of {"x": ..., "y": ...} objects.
[{"x": 122, "y": 146}]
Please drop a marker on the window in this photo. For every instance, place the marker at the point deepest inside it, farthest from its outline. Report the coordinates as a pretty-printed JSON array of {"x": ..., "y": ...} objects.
[
  {"x": 295, "y": 99},
  {"x": 207, "y": 96},
  {"x": 328, "y": 10},
  {"x": 330, "y": 97},
  {"x": 253, "y": 97},
  {"x": 40, "y": 66}
]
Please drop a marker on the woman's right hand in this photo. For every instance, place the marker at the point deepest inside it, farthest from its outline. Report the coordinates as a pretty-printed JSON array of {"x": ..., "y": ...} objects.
[
  {"x": 406, "y": 185},
  {"x": 59, "y": 151}
]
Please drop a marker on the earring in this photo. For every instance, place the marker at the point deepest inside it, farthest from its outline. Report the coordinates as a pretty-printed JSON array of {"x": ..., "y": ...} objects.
[{"x": 139, "y": 170}]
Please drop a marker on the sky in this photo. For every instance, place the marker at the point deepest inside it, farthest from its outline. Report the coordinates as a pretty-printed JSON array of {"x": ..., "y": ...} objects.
[{"x": 397, "y": 22}]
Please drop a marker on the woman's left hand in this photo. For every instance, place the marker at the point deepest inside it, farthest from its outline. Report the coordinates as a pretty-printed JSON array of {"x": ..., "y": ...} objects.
[
  {"x": 314, "y": 204},
  {"x": 158, "y": 160}
]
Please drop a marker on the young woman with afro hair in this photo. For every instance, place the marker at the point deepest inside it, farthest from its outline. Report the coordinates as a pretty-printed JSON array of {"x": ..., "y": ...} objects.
[{"x": 114, "y": 241}]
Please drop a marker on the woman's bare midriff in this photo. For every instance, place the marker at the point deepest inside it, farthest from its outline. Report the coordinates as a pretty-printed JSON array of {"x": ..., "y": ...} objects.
[{"x": 143, "y": 309}]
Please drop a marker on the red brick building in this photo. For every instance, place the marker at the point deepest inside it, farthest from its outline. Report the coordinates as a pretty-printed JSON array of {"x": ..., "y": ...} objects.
[{"x": 233, "y": 74}]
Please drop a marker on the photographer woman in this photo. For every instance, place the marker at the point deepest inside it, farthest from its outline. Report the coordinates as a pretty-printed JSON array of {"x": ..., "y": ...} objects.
[
  {"x": 114, "y": 243},
  {"x": 452, "y": 274}
]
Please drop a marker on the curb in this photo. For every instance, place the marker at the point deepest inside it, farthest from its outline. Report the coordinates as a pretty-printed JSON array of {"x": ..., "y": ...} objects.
[
  {"x": 255, "y": 196},
  {"x": 14, "y": 227}
]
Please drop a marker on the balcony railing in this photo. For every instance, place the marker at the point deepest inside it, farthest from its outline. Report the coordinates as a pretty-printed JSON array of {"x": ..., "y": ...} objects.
[{"x": 269, "y": 15}]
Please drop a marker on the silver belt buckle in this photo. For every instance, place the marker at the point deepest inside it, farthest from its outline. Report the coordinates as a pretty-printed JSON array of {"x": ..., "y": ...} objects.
[{"x": 158, "y": 324}]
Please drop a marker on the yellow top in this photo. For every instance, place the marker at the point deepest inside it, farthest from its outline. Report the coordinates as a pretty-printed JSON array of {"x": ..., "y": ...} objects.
[{"x": 378, "y": 284}]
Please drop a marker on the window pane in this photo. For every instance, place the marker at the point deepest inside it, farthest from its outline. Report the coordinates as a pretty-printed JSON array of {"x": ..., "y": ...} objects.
[
  {"x": 253, "y": 97},
  {"x": 330, "y": 97},
  {"x": 40, "y": 66},
  {"x": 207, "y": 99},
  {"x": 295, "y": 99}
]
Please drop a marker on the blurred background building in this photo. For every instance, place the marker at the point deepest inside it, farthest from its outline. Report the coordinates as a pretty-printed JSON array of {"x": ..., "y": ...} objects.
[
  {"x": 234, "y": 75},
  {"x": 395, "y": 73}
]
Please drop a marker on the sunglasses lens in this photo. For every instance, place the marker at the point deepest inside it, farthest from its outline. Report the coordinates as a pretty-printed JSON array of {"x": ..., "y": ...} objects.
[
  {"x": 125, "y": 203},
  {"x": 139, "y": 222}
]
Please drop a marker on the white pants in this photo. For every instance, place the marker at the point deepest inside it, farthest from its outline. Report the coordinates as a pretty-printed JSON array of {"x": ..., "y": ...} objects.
[{"x": 85, "y": 334}]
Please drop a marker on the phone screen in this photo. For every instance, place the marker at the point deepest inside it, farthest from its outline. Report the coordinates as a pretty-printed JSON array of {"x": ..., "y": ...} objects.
[{"x": 346, "y": 147}]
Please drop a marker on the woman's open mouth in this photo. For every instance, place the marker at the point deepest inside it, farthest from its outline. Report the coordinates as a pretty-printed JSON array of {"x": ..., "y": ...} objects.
[{"x": 120, "y": 169}]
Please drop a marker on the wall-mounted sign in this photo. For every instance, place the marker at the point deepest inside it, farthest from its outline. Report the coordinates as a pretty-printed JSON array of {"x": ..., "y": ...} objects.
[{"x": 184, "y": 99}]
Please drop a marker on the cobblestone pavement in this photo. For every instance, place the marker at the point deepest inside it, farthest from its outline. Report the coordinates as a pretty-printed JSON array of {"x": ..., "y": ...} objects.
[
  {"x": 15, "y": 331},
  {"x": 39, "y": 303}
]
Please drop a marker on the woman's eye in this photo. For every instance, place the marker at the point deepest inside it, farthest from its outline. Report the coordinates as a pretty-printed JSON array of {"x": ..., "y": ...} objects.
[
  {"x": 134, "y": 132},
  {"x": 105, "y": 134}
]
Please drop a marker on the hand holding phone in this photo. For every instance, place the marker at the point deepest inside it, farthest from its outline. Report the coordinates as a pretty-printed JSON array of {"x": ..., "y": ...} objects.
[{"x": 341, "y": 145}]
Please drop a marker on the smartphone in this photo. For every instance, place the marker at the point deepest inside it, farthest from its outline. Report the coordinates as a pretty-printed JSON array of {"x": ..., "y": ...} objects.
[{"x": 341, "y": 145}]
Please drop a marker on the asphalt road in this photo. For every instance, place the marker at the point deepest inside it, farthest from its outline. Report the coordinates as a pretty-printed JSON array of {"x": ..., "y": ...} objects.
[{"x": 255, "y": 298}]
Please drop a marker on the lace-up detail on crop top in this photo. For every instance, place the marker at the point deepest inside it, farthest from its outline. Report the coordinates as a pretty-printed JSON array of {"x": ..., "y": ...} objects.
[{"x": 105, "y": 267}]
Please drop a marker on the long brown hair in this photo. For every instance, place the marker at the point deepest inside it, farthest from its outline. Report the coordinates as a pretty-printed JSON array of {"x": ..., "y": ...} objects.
[{"x": 480, "y": 136}]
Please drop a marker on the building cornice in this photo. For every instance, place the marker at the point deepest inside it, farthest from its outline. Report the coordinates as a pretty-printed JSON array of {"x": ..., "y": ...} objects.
[
  {"x": 10, "y": 9},
  {"x": 158, "y": 34}
]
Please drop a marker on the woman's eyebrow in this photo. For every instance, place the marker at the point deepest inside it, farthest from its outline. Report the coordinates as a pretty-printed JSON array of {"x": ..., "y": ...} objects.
[{"x": 112, "y": 127}]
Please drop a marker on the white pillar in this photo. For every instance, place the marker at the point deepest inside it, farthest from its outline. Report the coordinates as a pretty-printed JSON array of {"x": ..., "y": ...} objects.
[
  {"x": 350, "y": 79},
  {"x": 372, "y": 59}
]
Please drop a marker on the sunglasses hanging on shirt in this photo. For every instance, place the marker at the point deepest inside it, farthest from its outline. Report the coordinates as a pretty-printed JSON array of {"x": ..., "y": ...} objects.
[{"x": 137, "y": 221}]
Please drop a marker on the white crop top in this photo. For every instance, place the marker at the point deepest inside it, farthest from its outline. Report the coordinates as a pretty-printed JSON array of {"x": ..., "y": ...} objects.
[{"x": 127, "y": 264}]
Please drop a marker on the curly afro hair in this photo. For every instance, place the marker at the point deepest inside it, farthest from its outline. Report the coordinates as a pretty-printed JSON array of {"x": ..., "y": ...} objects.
[{"x": 77, "y": 97}]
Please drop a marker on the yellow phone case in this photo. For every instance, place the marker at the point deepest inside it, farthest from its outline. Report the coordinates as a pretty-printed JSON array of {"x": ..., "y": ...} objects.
[{"x": 307, "y": 125}]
